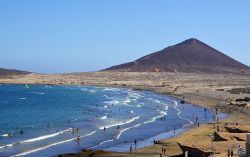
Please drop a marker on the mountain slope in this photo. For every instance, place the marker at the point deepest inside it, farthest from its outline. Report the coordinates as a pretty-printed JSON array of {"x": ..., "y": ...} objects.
[
  {"x": 191, "y": 55},
  {"x": 11, "y": 72}
]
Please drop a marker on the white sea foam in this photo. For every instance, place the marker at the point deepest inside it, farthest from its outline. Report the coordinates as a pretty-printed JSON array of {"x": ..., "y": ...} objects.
[
  {"x": 36, "y": 139},
  {"x": 105, "y": 96},
  {"x": 123, "y": 130},
  {"x": 39, "y": 93},
  {"x": 179, "y": 112},
  {"x": 104, "y": 117},
  {"x": 5, "y": 135},
  {"x": 54, "y": 144},
  {"x": 92, "y": 91},
  {"x": 102, "y": 143},
  {"x": 162, "y": 113},
  {"x": 22, "y": 98},
  {"x": 84, "y": 89},
  {"x": 175, "y": 104},
  {"x": 191, "y": 122},
  {"x": 177, "y": 108},
  {"x": 46, "y": 136},
  {"x": 111, "y": 89},
  {"x": 157, "y": 101},
  {"x": 166, "y": 107},
  {"x": 135, "y": 95},
  {"x": 6, "y": 146},
  {"x": 120, "y": 123},
  {"x": 112, "y": 102},
  {"x": 88, "y": 90},
  {"x": 154, "y": 100},
  {"x": 127, "y": 100}
]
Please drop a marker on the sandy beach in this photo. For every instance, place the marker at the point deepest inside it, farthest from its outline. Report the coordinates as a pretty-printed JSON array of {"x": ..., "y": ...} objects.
[{"x": 207, "y": 90}]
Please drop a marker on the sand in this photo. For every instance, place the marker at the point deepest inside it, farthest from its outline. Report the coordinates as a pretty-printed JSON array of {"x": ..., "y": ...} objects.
[{"x": 206, "y": 90}]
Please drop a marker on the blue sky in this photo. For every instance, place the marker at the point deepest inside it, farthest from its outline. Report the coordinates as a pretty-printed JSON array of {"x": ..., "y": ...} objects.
[{"x": 54, "y": 36}]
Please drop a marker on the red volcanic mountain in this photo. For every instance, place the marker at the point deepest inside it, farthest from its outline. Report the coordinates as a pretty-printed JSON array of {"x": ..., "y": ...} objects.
[{"x": 191, "y": 55}]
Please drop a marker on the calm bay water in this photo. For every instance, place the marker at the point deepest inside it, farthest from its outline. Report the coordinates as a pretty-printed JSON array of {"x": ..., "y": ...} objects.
[{"x": 50, "y": 115}]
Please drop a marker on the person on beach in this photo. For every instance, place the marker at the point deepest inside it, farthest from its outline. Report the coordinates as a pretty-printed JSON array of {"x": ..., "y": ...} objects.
[
  {"x": 232, "y": 153},
  {"x": 154, "y": 142},
  {"x": 135, "y": 142},
  {"x": 130, "y": 149},
  {"x": 174, "y": 130},
  {"x": 78, "y": 138},
  {"x": 228, "y": 152}
]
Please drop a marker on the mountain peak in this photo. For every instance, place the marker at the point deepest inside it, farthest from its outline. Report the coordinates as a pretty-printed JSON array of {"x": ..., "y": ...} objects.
[
  {"x": 191, "y": 41},
  {"x": 191, "y": 55}
]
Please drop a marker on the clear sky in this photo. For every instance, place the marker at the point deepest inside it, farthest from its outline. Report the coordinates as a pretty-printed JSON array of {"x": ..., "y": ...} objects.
[{"x": 54, "y": 36}]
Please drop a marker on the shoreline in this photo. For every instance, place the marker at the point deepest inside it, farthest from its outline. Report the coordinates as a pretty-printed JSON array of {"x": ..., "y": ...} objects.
[
  {"x": 147, "y": 142},
  {"x": 198, "y": 93}
]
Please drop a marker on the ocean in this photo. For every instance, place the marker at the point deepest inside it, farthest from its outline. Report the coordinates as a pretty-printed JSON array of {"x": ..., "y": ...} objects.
[{"x": 42, "y": 120}]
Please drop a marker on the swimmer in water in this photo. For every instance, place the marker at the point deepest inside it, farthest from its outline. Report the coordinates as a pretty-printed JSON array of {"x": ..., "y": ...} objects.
[{"x": 78, "y": 138}]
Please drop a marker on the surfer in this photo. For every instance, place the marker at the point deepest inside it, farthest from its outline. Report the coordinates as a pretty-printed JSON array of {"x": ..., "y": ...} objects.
[
  {"x": 104, "y": 129},
  {"x": 21, "y": 132},
  {"x": 118, "y": 127}
]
